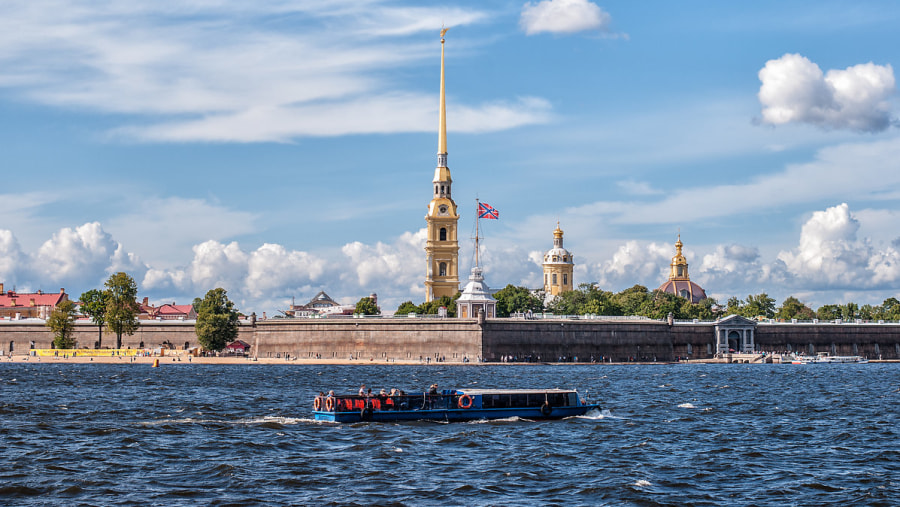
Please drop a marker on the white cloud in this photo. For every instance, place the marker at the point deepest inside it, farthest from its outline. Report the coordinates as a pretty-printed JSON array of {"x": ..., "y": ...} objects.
[
  {"x": 401, "y": 264},
  {"x": 11, "y": 258},
  {"x": 794, "y": 89},
  {"x": 182, "y": 222},
  {"x": 563, "y": 16},
  {"x": 829, "y": 254},
  {"x": 284, "y": 122},
  {"x": 634, "y": 263},
  {"x": 83, "y": 255},
  {"x": 222, "y": 71}
]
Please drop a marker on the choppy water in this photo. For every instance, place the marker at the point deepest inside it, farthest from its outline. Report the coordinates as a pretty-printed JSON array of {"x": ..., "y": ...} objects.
[{"x": 243, "y": 435}]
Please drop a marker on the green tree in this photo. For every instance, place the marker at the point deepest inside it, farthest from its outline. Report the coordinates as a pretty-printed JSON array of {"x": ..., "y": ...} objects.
[
  {"x": 432, "y": 307},
  {"x": 62, "y": 323},
  {"x": 867, "y": 312},
  {"x": 196, "y": 305},
  {"x": 792, "y": 308},
  {"x": 93, "y": 304},
  {"x": 760, "y": 305},
  {"x": 633, "y": 301},
  {"x": 406, "y": 308},
  {"x": 121, "y": 306},
  {"x": 367, "y": 306},
  {"x": 828, "y": 312},
  {"x": 511, "y": 299},
  {"x": 217, "y": 321},
  {"x": 849, "y": 311},
  {"x": 734, "y": 306}
]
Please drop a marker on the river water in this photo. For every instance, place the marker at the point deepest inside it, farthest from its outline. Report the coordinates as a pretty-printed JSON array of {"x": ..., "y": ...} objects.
[{"x": 682, "y": 434}]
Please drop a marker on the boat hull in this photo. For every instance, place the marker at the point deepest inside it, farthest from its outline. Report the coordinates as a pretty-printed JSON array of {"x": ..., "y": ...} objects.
[{"x": 453, "y": 415}]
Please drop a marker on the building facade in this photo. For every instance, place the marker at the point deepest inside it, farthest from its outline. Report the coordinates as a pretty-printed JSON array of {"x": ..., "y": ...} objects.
[
  {"x": 559, "y": 267},
  {"x": 441, "y": 247},
  {"x": 29, "y": 305}
]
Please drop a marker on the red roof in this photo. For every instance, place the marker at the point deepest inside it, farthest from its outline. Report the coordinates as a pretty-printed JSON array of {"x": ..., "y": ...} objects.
[
  {"x": 175, "y": 309},
  {"x": 24, "y": 299}
]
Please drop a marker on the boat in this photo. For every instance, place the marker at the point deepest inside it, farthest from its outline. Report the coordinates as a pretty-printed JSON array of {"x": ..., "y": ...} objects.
[
  {"x": 453, "y": 405},
  {"x": 828, "y": 359}
]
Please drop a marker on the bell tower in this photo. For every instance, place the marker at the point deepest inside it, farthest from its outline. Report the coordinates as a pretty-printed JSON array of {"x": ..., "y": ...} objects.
[{"x": 441, "y": 248}]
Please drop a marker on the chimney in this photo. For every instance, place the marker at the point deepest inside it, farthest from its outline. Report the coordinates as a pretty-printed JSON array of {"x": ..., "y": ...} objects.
[
  {"x": 62, "y": 291},
  {"x": 12, "y": 302},
  {"x": 40, "y": 292},
  {"x": 32, "y": 301},
  {"x": 1, "y": 288},
  {"x": 146, "y": 301}
]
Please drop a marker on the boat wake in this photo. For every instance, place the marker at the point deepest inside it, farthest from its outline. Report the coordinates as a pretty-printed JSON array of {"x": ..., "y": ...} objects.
[{"x": 597, "y": 414}]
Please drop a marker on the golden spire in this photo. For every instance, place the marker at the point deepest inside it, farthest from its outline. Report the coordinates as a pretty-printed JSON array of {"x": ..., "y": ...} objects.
[
  {"x": 442, "y": 128},
  {"x": 679, "y": 263}
]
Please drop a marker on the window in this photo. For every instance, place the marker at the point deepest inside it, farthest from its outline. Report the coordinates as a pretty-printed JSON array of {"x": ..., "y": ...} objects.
[
  {"x": 684, "y": 293},
  {"x": 565, "y": 279},
  {"x": 680, "y": 270},
  {"x": 554, "y": 278},
  {"x": 442, "y": 269},
  {"x": 443, "y": 234},
  {"x": 545, "y": 278}
]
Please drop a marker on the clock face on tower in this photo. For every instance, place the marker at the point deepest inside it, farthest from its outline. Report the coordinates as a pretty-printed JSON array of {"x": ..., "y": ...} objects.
[{"x": 442, "y": 210}]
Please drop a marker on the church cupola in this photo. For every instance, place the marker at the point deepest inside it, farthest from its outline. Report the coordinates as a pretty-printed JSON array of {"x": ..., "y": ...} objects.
[
  {"x": 679, "y": 263},
  {"x": 679, "y": 282},
  {"x": 559, "y": 267}
]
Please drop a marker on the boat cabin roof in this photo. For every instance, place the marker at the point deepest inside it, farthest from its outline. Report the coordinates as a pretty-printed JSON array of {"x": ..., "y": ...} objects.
[{"x": 472, "y": 392}]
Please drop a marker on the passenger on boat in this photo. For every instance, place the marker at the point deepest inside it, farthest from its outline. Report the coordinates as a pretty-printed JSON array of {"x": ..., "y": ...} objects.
[
  {"x": 382, "y": 393},
  {"x": 393, "y": 391},
  {"x": 433, "y": 389},
  {"x": 362, "y": 390}
]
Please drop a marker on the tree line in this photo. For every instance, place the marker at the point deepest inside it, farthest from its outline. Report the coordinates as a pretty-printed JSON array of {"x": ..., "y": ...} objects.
[
  {"x": 115, "y": 308},
  {"x": 588, "y": 299}
]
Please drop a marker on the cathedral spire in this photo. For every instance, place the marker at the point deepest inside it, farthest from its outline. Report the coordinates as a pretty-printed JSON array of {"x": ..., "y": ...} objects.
[{"x": 442, "y": 114}]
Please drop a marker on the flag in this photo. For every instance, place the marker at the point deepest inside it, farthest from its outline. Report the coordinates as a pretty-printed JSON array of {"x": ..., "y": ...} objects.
[{"x": 486, "y": 211}]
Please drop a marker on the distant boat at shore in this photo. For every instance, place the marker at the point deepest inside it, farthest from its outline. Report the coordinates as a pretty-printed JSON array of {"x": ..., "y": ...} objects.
[{"x": 828, "y": 359}]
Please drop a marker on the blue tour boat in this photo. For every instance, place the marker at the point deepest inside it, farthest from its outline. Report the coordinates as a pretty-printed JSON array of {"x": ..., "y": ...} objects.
[{"x": 453, "y": 405}]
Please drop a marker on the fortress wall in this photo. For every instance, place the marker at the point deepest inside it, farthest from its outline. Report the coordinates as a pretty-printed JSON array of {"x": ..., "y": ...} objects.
[
  {"x": 386, "y": 339},
  {"x": 369, "y": 339},
  {"x": 150, "y": 333},
  {"x": 548, "y": 340},
  {"x": 870, "y": 340}
]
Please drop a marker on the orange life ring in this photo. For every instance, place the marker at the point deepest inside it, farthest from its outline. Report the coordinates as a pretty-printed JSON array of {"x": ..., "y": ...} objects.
[
  {"x": 317, "y": 404},
  {"x": 329, "y": 404},
  {"x": 465, "y": 401}
]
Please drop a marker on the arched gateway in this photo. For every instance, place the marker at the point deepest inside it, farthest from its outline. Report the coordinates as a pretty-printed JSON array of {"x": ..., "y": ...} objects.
[{"x": 735, "y": 334}]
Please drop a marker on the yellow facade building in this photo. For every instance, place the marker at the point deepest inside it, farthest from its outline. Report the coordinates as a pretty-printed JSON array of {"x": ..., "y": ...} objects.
[
  {"x": 442, "y": 248},
  {"x": 559, "y": 267}
]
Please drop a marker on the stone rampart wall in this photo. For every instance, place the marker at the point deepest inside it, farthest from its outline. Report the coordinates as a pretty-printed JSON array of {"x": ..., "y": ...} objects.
[
  {"x": 870, "y": 340},
  {"x": 455, "y": 339},
  {"x": 370, "y": 339},
  {"x": 550, "y": 340}
]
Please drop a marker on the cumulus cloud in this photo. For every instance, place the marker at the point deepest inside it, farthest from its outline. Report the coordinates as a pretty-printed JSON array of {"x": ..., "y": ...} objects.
[
  {"x": 795, "y": 90},
  {"x": 401, "y": 264},
  {"x": 635, "y": 263},
  {"x": 829, "y": 253},
  {"x": 563, "y": 16},
  {"x": 83, "y": 255},
  {"x": 11, "y": 258},
  {"x": 220, "y": 71}
]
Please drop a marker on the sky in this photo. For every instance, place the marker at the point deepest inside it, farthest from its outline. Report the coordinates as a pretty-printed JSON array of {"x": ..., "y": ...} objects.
[{"x": 280, "y": 148}]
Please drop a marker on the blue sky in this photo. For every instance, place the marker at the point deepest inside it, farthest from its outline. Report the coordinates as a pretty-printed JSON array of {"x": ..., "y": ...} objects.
[{"x": 281, "y": 148}]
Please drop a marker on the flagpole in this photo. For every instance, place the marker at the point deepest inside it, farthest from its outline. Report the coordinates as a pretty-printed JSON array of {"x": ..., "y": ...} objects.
[{"x": 477, "y": 221}]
